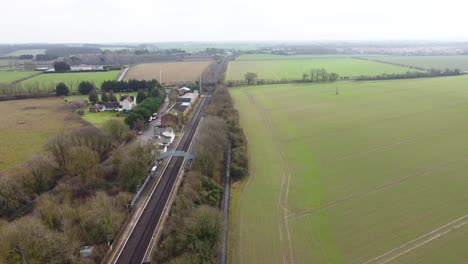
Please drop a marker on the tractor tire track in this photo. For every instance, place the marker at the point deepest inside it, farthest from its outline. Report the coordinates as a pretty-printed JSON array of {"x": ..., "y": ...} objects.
[
  {"x": 311, "y": 211},
  {"x": 419, "y": 241},
  {"x": 282, "y": 202}
]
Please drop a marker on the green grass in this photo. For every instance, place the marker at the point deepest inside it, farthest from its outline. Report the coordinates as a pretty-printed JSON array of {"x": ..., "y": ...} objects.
[
  {"x": 97, "y": 119},
  {"x": 71, "y": 79},
  {"x": 377, "y": 166},
  {"x": 279, "y": 69},
  {"x": 18, "y": 53},
  {"x": 26, "y": 125},
  {"x": 428, "y": 62},
  {"x": 11, "y": 76}
]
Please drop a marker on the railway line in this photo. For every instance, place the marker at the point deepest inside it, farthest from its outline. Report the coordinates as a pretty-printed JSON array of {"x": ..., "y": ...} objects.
[{"x": 136, "y": 245}]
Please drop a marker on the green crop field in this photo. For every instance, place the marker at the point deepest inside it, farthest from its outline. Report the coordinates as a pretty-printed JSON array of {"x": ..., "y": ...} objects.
[
  {"x": 249, "y": 57},
  {"x": 292, "y": 67},
  {"x": 428, "y": 62},
  {"x": 376, "y": 174},
  {"x": 71, "y": 79},
  {"x": 11, "y": 76}
]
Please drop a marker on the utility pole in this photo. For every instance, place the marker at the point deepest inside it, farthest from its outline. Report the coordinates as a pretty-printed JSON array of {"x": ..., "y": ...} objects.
[
  {"x": 160, "y": 76},
  {"x": 337, "y": 90},
  {"x": 200, "y": 85}
]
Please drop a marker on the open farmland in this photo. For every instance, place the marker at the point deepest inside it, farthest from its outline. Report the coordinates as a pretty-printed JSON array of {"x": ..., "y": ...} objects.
[
  {"x": 376, "y": 174},
  {"x": 11, "y": 76},
  {"x": 71, "y": 79},
  {"x": 18, "y": 53},
  {"x": 171, "y": 71},
  {"x": 271, "y": 67},
  {"x": 25, "y": 126},
  {"x": 427, "y": 62}
]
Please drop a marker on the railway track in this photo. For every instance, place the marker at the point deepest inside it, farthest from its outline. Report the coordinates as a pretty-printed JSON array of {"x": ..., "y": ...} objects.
[{"x": 136, "y": 246}]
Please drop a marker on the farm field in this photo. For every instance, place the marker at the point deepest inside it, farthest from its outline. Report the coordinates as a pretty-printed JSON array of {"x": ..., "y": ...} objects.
[
  {"x": 26, "y": 125},
  {"x": 11, "y": 76},
  {"x": 171, "y": 71},
  {"x": 17, "y": 53},
  {"x": 292, "y": 69},
  {"x": 374, "y": 174},
  {"x": 428, "y": 62},
  {"x": 71, "y": 79},
  {"x": 249, "y": 57}
]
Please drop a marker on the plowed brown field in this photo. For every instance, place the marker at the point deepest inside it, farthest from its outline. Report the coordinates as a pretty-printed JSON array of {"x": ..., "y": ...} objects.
[{"x": 171, "y": 71}]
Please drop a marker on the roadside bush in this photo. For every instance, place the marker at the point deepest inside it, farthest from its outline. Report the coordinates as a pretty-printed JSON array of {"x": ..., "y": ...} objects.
[
  {"x": 12, "y": 196},
  {"x": 29, "y": 241}
]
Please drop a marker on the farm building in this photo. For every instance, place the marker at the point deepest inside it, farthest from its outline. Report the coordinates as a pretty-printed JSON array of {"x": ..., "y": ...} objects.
[{"x": 127, "y": 103}]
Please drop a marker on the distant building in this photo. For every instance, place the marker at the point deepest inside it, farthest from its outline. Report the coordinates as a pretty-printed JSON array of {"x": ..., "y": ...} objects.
[
  {"x": 184, "y": 90},
  {"x": 127, "y": 103},
  {"x": 84, "y": 67}
]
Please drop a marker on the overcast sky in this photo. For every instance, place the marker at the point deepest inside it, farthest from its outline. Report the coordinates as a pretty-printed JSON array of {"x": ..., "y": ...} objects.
[{"x": 94, "y": 21}]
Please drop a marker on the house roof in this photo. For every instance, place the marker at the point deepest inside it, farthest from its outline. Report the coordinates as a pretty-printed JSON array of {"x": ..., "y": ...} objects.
[
  {"x": 112, "y": 105},
  {"x": 128, "y": 98}
]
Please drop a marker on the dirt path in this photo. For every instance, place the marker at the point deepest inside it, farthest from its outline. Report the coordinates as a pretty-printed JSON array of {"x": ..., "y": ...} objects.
[{"x": 420, "y": 241}]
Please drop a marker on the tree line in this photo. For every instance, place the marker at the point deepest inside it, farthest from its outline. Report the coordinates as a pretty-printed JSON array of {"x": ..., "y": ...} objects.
[
  {"x": 194, "y": 227},
  {"x": 129, "y": 86},
  {"x": 320, "y": 75},
  {"x": 411, "y": 75},
  {"x": 314, "y": 75}
]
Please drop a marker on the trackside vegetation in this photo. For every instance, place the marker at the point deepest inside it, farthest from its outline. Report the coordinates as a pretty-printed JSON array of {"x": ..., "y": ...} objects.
[{"x": 193, "y": 230}]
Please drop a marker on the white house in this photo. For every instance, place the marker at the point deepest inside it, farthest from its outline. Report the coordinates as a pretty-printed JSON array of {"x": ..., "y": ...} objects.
[{"x": 127, "y": 103}]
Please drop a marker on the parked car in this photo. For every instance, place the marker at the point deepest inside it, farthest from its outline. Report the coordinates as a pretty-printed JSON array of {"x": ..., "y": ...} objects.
[
  {"x": 158, "y": 123},
  {"x": 140, "y": 133}
]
